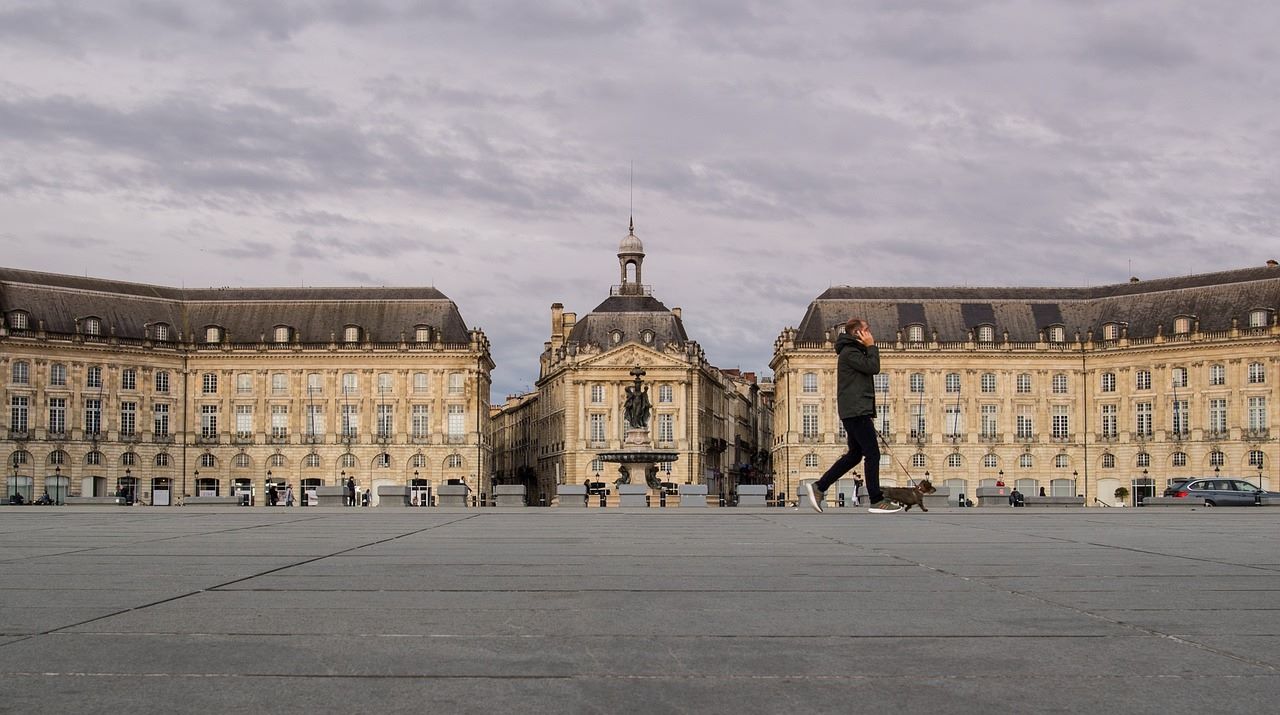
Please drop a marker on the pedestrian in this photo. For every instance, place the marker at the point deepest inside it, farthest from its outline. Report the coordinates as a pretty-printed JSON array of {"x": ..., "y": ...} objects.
[
  {"x": 858, "y": 359},
  {"x": 351, "y": 491},
  {"x": 273, "y": 497},
  {"x": 857, "y": 488},
  {"x": 288, "y": 495},
  {"x": 1041, "y": 491}
]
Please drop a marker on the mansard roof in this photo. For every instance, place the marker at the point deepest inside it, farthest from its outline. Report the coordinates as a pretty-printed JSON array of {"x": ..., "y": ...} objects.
[
  {"x": 632, "y": 315},
  {"x": 315, "y": 314},
  {"x": 1143, "y": 306}
]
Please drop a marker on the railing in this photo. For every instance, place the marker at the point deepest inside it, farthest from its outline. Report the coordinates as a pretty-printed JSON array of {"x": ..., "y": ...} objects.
[
  {"x": 278, "y": 439},
  {"x": 242, "y": 438},
  {"x": 990, "y": 437},
  {"x": 206, "y": 439},
  {"x": 162, "y": 438},
  {"x": 130, "y": 437},
  {"x": 1105, "y": 437},
  {"x": 1216, "y": 436},
  {"x": 19, "y": 434},
  {"x": 1061, "y": 438},
  {"x": 1257, "y": 433},
  {"x": 1025, "y": 437}
]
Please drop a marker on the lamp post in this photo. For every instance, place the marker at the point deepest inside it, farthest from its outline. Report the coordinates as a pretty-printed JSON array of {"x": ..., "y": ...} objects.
[
  {"x": 57, "y": 480},
  {"x": 342, "y": 482},
  {"x": 1075, "y": 476},
  {"x": 1144, "y": 486},
  {"x": 133, "y": 490},
  {"x": 15, "y": 479}
]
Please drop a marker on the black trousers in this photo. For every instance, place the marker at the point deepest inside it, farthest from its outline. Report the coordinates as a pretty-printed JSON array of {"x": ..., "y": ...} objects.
[{"x": 863, "y": 444}]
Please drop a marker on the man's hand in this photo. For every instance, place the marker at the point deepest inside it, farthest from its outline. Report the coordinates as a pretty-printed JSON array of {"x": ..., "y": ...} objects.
[{"x": 864, "y": 335}]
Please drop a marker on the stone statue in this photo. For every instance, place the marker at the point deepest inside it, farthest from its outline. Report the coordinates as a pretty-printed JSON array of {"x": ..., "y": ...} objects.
[
  {"x": 651, "y": 477},
  {"x": 626, "y": 475},
  {"x": 637, "y": 405}
]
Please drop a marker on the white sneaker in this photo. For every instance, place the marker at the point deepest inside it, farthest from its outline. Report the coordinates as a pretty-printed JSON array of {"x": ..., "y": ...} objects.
[
  {"x": 815, "y": 496},
  {"x": 884, "y": 506}
]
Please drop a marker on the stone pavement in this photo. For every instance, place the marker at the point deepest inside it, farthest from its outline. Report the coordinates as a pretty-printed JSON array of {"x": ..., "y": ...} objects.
[{"x": 723, "y": 610}]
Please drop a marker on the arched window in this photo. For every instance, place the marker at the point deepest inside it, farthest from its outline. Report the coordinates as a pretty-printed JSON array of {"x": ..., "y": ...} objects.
[
  {"x": 917, "y": 460},
  {"x": 1216, "y": 458},
  {"x": 1144, "y": 460},
  {"x": 57, "y": 458},
  {"x": 954, "y": 460},
  {"x": 810, "y": 382},
  {"x": 21, "y": 373},
  {"x": 347, "y": 461},
  {"x": 1257, "y": 459},
  {"x": 1025, "y": 461},
  {"x": 382, "y": 461},
  {"x": 279, "y": 383},
  {"x": 93, "y": 459},
  {"x": 351, "y": 334},
  {"x": 1142, "y": 380},
  {"x": 311, "y": 461},
  {"x": 277, "y": 460},
  {"x": 915, "y": 333},
  {"x": 615, "y": 336},
  {"x": 418, "y": 461},
  {"x": 646, "y": 337},
  {"x": 986, "y": 333},
  {"x": 1024, "y": 383},
  {"x": 240, "y": 461},
  {"x": 213, "y": 334},
  {"x": 349, "y": 383},
  {"x": 19, "y": 320},
  {"x": 422, "y": 334},
  {"x": 453, "y": 461},
  {"x": 281, "y": 334},
  {"x": 1179, "y": 376},
  {"x": 1179, "y": 459},
  {"x": 990, "y": 461},
  {"x": 92, "y": 326},
  {"x": 162, "y": 460},
  {"x": 811, "y": 460},
  {"x": 1258, "y": 318},
  {"x": 420, "y": 382},
  {"x": 129, "y": 459},
  {"x": 1108, "y": 461},
  {"x": 1181, "y": 325},
  {"x": 1057, "y": 334},
  {"x": 19, "y": 458},
  {"x": 457, "y": 383},
  {"x": 1111, "y": 331},
  {"x": 1061, "y": 461},
  {"x": 385, "y": 383},
  {"x": 209, "y": 461}
]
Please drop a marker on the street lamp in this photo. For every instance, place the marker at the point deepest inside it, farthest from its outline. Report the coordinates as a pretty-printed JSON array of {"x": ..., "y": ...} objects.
[
  {"x": 1144, "y": 486},
  {"x": 1075, "y": 475}
]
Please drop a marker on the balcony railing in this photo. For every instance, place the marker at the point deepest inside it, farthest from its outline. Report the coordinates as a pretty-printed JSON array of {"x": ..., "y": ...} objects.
[
  {"x": 206, "y": 439},
  {"x": 1257, "y": 433},
  {"x": 130, "y": 437},
  {"x": 1061, "y": 438},
  {"x": 1216, "y": 435},
  {"x": 242, "y": 438},
  {"x": 162, "y": 438},
  {"x": 19, "y": 434},
  {"x": 278, "y": 439},
  {"x": 1025, "y": 437},
  {"x": 990, "y": 437},
  {"x": 1106, "y": 437}
]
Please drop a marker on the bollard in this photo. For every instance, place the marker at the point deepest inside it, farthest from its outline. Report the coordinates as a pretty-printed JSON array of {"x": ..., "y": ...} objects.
[
  {"x": 602, "y": 497},
  {"x": 662, "y": 498},
  {"x": 840, "y": 500}
]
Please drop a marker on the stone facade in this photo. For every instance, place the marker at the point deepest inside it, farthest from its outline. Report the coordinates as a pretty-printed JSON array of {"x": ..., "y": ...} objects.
[
  {"x": 171, "y": 393},
  {"x": 1077, "y": 391}
]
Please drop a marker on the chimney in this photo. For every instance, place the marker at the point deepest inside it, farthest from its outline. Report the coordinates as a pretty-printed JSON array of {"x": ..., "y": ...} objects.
[
  {"x": 570, "y": 320},
  {"x": 676, "y": 312},
  {"x": 557, "y": 320}
]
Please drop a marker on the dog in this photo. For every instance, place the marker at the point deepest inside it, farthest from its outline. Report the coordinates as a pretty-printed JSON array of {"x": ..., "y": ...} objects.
[{"x": 910, "y": 496}]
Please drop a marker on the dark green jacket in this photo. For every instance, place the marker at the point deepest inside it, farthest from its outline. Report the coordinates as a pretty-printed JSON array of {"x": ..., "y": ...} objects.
[{"x": 855, "y": 388}]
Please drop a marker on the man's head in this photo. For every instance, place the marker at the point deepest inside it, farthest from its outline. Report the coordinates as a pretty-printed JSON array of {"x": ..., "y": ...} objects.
[{"x": 853, "y": 326}]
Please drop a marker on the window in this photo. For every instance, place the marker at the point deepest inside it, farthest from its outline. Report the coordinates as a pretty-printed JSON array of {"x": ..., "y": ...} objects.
[
  {"x": 350, "y": 420},
  {"x": 954, "y": 421},
  {"x": 811, "y": 460},
  {"x": 615, "y": 336},
  {"x": 917, "y": 421},
  {"x": 597, "y": 427},
  {"x": 129, "y": 459},
  {"x": 1181, "y": 325},
  {"x": 1257, "y": 319},
  {"x": 419, "y": 461},
  {"x": 160, "y": 420},
  {"x": 1257, "y": 459},
  {"x": 988, "y": 382},
  {"x": 1025, "y": 461},
  {"x": 57, "y": 415},
  {"x": 386, "y": 421},
  {"x": 665, "y": 394},
  {"x": 422, "y": 334},
  {"x": 453, "y": 461},
  {"x": 21, "y": 373},
  {"x": 882, "y": 421},
  {"x": 382, "y": 461},
  {"x": 1023, "y": 383},
  {"x": 1061, "y": 422},
  {"x": 209, "y": 421},
  {"x": 917, "y": 460},
  {"x": 1143, "y": 381},
  {"x": 990, "y": 461},
  {"x": 1108, "y": 382},
  {"x": 386, "y": 383},
  {"x": 240, "y": 461},
  {"x": 1057, "y": 334},
  {"x": 1257, "y": 373},
  {"x": 349, "y": 384},
  {"x": 809, "y": 421},
  {"x": 93, "y": 459},
  {"x": 1061, "y": 461},
  {"x": 1218, "y": 415},
  {"x": 347, "y": 461},
  {"x": 456, "y": 421},
  {"x": 93, "y": 377},
  {"x": 128, "y": 418},
  {"x": 93, "y": 416},
  {"x": 880, "y": 382},
  {"x": 1110, "y": 428},
  {"x": 1217, "y": 375},
  {"x": 19, "y": 320},
  {"x": 279, "y": 383},
  {"x": 19, "y": 458},
  {"x": 810, "y": 382},
  {"x": 646, "y": 336},
  {"x": 1059, "y": 384},
  {"x": 18, "y": 413},
  {"x": 315, "y": 421},
  {"x": 281, "y": 334},
  {"x": 666, "y": 428},
  {"x": 208, "y": 461},
  {"x": 987, "y": 427},
  {"x": 1181, "y": 419},
  {"x": 351, "y": 334},
  {"x": 209, "y": 383},
  {"x": 1144, "y": 423},
  {"x": 162, "y": 381},
  {"x": 1216, "y": 459},
  {"x": 92, "y": 326},
  {"x": 915, "y": 333},
  {"x": 954, "y": 460},
  {"x": 244, "y": 384},
  {"x": 419, "y": 421},
  {"x": 57, "y": 375},
  {"x": 213, "y": 334},
  {"x": 1111, "y": 331},
  {"x": 280, "y": 421},
  {"x": 420, "y": 382},
  {"x": 1257, "y": 413},
  {"x": 953, "y": 382},
  {"x": 129, "y": 379},
  {"x": 986, "y": 334},
  {"x": 456, "y": 383},
  {"x": 244, "y": 420},
  {"x": 315, "y": 384},
  {"x": 276, "y": 460},
  {"x": 1108, "y": 461},
  {"x": 1024, "y": 425},
  {"x": 160, "y": 331},
  {"x": 917, "y": 382},
  {"x": 597, "y": 394},
  {"x": 1179, "y": 459},
  {"x": 311, "y": 461},
  {"x": 1144, "y": 460},
  {"x": 57, "y": 458},
  {"x": 1179, "y": 377}
]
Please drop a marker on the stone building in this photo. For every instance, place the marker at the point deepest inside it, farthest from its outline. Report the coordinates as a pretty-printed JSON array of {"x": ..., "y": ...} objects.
[
  {"x": 717, "y": 421},
  {"x": 1077, "y": 391},
  {"x": 164, "y": 392}
]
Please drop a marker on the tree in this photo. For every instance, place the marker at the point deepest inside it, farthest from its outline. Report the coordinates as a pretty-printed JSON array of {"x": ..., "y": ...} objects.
[{"x": 1122, "y": 493}]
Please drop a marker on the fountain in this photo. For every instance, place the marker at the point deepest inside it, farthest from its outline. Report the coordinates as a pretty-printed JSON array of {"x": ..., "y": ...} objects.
[{"x": 637, "y": 451}]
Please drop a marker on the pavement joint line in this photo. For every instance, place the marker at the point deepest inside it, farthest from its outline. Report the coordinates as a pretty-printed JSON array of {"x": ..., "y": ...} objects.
[
  {"x": 238, "y": 580},
  {"x": 909, "y": 678}
]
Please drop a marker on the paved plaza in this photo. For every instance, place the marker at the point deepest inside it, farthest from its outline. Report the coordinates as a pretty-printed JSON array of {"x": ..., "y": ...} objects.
[{"x": 544, "y": 610}]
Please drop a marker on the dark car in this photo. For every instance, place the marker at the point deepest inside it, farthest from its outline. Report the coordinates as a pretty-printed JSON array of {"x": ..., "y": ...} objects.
[{"x": 1217, "y": 491}]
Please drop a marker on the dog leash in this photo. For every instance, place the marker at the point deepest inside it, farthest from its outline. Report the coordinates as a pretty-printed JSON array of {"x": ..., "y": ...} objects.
[{"x": 895, "y": 459}]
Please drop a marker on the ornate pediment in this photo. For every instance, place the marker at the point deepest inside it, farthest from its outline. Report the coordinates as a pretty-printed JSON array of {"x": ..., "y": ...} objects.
[{"x": 630, "y": 355}]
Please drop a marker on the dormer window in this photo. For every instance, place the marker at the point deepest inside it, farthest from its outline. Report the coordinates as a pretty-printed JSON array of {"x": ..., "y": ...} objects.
[
  {"x": 422, "y": 334},
  {"x": 1181, "y": 325},
  {"x": 160, "y": 332},
  {"x": 986, "y": 333},
  {"x": 646, "y": 337},
  {"x": 915, "y": 333},
  {"x": 282, "y": 334},
  {"x": 1258, "y": 318},
  {"x": 1111, "y": 331},
  {"x": 213, "y": 335},
  {"x": 1057, "y": 334},
  {"x": 19, "y": 320},
  {"x": 351, "y": 334},
  {"x": 92, "y": 326},
  {"x": 615, "y": 337}
]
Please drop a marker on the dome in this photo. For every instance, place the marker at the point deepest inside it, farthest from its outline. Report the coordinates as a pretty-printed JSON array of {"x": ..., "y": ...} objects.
[{"x": 631, "y": 244}]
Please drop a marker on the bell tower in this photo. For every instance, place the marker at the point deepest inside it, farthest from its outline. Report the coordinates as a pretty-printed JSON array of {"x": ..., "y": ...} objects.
[{"x": 630, "y": 260}]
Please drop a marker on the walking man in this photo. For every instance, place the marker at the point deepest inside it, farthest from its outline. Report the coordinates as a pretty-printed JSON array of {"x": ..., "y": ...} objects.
[{"x": 858, "y": 359}]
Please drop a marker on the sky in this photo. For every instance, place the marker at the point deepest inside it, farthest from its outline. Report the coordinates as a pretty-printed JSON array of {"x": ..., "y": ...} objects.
[{"x": 768, "y": 150}]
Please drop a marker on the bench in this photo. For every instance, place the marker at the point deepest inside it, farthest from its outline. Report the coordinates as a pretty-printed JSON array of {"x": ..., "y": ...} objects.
[
  {"x": 752, "y": 494},
  {"x": 1053, "y": 501},
  {"x": 455, "y": 495},
  {"x": 693, "y": 495},
  {"x": 571, "y": 495},
  {"x": 508, "y": 495}
]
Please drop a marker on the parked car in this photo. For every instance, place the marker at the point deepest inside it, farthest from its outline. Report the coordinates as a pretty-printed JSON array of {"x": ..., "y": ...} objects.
[{"x": 1218, "y": 491}]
